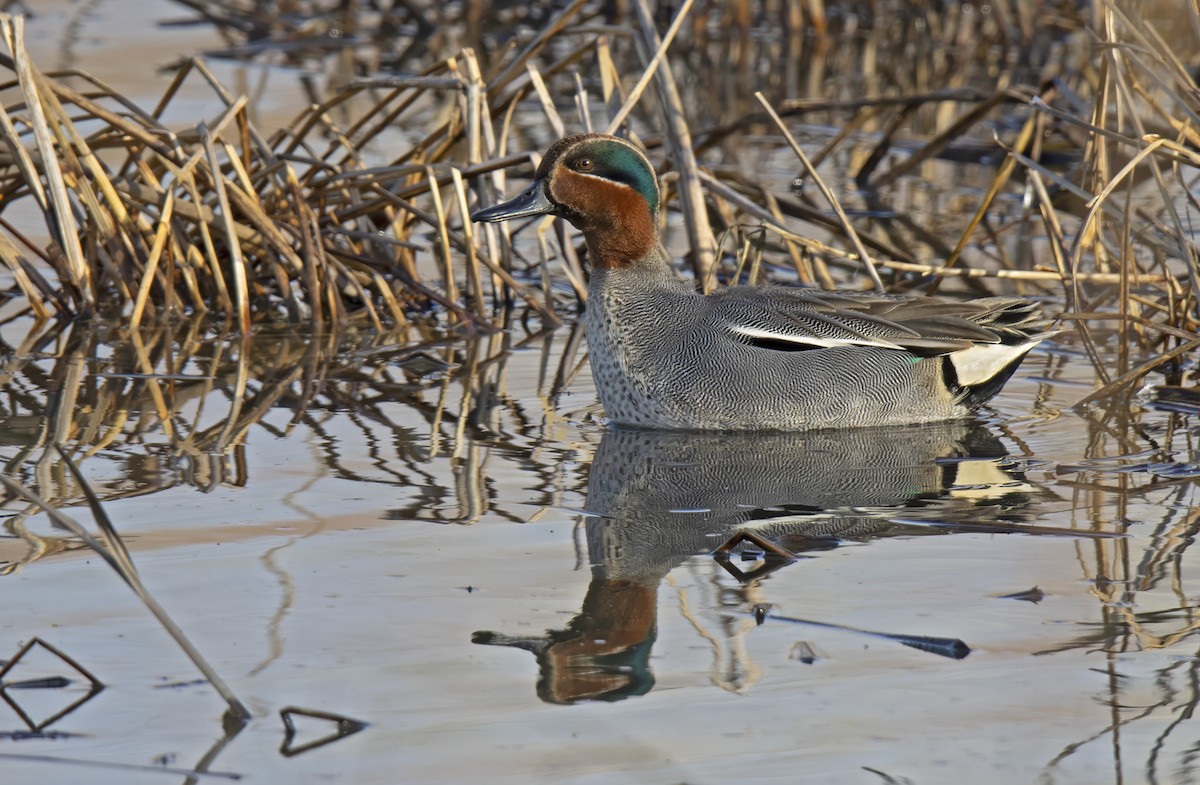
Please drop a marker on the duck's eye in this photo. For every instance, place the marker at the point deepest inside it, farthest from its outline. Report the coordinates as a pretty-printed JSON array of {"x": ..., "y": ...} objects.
[{"x": 584, "y": 165}]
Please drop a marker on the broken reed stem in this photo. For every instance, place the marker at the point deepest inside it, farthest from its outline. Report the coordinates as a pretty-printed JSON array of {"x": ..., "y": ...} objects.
[
  {"x": 539, "y": 87},
  {"x": 474, "y": 279},
  {"x": 1006, "y": 169},
  {"x": 941, "y": 141},
  {"x": 443, "y": 236},
  {"x": 237, "y": 262},
  {"x": 1132, "y": 376},
  {"x": 160, "y": 241},
  {"x": 116, "y": 555}
]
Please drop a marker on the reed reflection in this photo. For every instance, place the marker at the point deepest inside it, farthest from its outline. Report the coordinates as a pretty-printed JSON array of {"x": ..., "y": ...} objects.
[
  {"x": 173, "y": 406},
  {"x": 657, "y": 498}
]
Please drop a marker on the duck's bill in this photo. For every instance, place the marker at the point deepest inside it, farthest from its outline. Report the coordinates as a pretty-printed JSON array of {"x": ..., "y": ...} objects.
[{"x": 531, "y": 201}]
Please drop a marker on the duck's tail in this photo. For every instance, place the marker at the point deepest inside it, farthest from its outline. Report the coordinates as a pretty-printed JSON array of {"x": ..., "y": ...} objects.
[{"x": 978, "y": 373}]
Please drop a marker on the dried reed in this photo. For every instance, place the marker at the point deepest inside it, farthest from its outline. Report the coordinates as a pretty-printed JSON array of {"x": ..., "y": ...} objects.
[{"x": 311, "y": 225}]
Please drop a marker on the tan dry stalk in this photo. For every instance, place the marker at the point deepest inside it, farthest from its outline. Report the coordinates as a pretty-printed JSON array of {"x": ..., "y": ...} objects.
[
  {"x": 828, "y": 194},
  {"x": 651, "y": 69},
  {"x": 160, "y": 241},
  {"x": 237, "y": 262},
  {"x": 63, "y": 224},
  {"x": 679, "y": 137}
]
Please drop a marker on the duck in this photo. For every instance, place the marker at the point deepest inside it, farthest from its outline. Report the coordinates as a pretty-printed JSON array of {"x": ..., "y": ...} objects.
[{"x": 755, "y": 357}]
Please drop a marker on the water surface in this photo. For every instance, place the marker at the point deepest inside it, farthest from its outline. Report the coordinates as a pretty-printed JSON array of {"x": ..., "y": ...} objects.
[
  {"x": 441, "y": 538},
  {"x": 357, "y": 558}
]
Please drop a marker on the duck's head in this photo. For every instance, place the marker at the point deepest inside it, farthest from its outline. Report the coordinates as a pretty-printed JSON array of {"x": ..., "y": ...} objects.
[{"x": 604, "y": 186}]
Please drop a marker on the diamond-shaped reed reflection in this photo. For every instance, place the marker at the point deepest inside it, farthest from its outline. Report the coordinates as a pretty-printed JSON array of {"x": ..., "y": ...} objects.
[
  {"x": 33, "y": 700},
  {"x": 765, "y": 556},
  {"x": 337, "y": 726}
]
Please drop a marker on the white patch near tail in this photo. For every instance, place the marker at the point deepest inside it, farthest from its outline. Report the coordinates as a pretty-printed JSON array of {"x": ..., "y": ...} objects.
[{"x": 981, "y": 362}]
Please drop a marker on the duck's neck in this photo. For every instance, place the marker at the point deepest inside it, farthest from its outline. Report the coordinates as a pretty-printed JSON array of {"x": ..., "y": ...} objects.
[
  {"x": 633, "y": 306},
  {"x": 648, "y": 272},
  {"x": 632, "y": 313},
  {"x": 629, "y": 246}
]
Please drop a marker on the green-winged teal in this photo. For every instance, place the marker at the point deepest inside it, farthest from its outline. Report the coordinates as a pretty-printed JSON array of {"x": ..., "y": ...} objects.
[{"x": 755, "y": 357}]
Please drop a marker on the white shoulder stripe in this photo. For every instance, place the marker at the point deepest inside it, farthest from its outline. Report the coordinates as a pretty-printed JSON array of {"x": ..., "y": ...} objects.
[{"x": 809, "y": 340}]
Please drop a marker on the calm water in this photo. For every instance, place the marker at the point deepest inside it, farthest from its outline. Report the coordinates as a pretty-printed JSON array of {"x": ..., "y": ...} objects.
[
  {"x": 442, "y": 539},
  {"x": 433, "y": 499}
]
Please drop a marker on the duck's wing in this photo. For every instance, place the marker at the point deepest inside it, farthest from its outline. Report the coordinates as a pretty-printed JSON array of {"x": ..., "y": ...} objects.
[{"x": 799, "y": 319}]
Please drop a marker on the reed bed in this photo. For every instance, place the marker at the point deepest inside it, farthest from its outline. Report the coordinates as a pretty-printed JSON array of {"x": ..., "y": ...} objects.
[
  {"x": 145, "y": 222},
  {"x": 354, "y": 212},
  {"x": 1087, "y": 202}
]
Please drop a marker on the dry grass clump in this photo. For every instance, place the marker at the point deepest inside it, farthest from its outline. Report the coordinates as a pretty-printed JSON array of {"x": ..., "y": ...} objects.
[{"x": 147, "y": 221}]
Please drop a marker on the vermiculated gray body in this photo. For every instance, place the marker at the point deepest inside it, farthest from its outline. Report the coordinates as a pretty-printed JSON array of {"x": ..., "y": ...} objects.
[
  {"x": 660, "y": 359},
  {"x": 755, "y": 357}
]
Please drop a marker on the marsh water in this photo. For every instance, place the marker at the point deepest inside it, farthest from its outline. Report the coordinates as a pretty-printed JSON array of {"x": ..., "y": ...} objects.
[
  {"x": 449, "y": 545},
  {"x": 437, "y": 544}
]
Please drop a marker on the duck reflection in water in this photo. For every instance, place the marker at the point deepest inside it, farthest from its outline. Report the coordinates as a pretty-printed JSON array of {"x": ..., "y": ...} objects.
[{"x": 656, "y": 498}]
